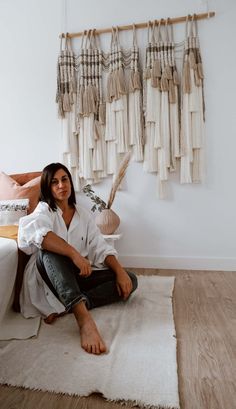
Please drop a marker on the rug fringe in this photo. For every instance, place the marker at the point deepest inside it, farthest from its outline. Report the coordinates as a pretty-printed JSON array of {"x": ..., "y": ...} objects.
[
  {"x": 133, "y": 403},
  {"x": 127, "y": 403}
]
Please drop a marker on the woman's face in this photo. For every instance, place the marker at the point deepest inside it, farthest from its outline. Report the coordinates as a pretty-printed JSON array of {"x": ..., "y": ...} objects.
[{"x": 61, "y": 186}]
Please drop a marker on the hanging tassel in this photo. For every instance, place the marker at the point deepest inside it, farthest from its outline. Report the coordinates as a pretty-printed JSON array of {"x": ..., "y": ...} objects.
[
  {"x": 61, "y": 112},
  {"x": 81, "y": 106},
  {"x": 110, "y": 90},
  {"x": 115, "y": 85},
  {"x": 172, "y": 93},
  {"x": 66, "y": 102},
  {"x": 147, "y": 73},
  {"x": 121, "y": 81},
  {"x": 200, "y": 70},
  {"x": 91, "y": 99},
  {"x": 71, "y": 94},
  {"x": 102, "y": 113},
  {"x": 164, "y": 83},
  {"x": 196, "y": 166},
  {"x": 85, "y": 102},
  {"x": 98, "y": 130},
  {"x": 186, "y": 78},
  {"x": 154, "y": 80},
  {"x": 168, "y": 72},
  {"x": 175, "y": 77},
  {"x": 192, "y": 60},
  {"x": 73, "y": 84},
  {"x": 157, "y": 68},
  {"x": 197, "y": 79},
  {"x": 131, "y": 81},
  {"x": 95, "y": 93},
  {"x": 137, "y": 80}
]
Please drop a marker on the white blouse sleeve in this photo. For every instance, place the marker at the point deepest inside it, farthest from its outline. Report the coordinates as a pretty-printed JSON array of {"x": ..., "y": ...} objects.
[
  {"x": 98, "y": 248},
  {"x": 34, "y": 227}
]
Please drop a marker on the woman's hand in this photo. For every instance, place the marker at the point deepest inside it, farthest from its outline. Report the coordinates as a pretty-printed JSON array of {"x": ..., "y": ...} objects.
[
  {"x": 124, "y": 283},
  {"x": 83, "y": 264}
]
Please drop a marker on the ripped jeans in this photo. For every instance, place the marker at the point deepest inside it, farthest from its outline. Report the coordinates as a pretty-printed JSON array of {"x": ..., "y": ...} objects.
[{"x": 62, "y": 277}]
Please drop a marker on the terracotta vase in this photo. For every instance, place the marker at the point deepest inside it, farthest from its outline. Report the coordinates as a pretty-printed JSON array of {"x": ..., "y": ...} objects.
[{"x": 107, "y": 221}]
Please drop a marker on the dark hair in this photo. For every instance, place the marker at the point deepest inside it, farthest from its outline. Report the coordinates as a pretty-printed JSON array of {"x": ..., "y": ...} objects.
[{"x": 46, "y": 181}]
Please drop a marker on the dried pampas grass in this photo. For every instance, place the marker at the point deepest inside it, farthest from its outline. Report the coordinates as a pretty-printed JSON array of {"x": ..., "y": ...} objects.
[{"x": 118, "y": 178}]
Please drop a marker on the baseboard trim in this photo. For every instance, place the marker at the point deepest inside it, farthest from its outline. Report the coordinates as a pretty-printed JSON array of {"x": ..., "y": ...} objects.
[{"x": 186, "y": 263}]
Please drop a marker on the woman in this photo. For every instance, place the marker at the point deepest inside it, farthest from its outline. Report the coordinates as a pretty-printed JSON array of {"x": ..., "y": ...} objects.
[{"x": 71, "y": 268}]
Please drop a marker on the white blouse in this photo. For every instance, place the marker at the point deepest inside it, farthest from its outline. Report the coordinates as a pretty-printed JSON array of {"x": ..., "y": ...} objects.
[{"x": 36, "y": 299}]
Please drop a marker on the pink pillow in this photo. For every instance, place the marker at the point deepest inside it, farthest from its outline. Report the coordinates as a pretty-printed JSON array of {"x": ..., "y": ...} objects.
[
  {"x": 10, "y": 189},
  {"x": 23, "y": 178}
]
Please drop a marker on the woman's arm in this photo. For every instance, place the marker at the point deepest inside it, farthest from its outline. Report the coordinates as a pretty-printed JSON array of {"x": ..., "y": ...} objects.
[
  {"x": 124, "y": 283},
  {"x": 52, "y": 242}
]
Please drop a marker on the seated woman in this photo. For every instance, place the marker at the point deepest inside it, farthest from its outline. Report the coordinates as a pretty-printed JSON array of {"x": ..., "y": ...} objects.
[{"x": 72, "y": 267}]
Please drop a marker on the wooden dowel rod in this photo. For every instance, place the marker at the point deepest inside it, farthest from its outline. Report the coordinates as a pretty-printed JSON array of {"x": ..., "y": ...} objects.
[{"x": 143, "y": 25}]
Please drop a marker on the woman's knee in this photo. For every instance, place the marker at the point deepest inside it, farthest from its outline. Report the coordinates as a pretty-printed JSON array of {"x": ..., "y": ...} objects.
[
  {"x": 133, "y": 279},
  {"x": 47, "y": 259}
]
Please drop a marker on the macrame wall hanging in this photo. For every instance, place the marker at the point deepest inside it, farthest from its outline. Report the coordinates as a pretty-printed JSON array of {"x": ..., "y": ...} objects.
[
  {"x": 161, "y": 105},
  {"x": 108, "y": 107},
  {"x": 192, "y": 108}
]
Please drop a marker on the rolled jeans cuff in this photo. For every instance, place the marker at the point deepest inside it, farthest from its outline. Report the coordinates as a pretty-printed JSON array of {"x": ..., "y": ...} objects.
[{"x": 78, "y": 300}]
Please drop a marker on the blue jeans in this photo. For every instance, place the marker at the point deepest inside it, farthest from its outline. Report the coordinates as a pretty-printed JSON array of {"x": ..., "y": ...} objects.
[{"x": 62, "y": 277}]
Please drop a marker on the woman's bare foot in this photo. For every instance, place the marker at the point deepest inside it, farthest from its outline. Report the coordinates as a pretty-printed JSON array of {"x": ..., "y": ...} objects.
[{"x": 91, "y": 340}]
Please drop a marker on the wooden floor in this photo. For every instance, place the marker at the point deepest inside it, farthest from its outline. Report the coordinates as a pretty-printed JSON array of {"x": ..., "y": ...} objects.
[{"x": 205, "y": 318}]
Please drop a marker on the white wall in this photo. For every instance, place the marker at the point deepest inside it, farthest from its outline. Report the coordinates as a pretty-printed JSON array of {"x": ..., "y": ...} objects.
[{"x": 195, "y": 228}]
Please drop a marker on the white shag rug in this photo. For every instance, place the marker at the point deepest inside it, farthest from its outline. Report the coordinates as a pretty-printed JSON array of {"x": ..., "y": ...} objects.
[{"x": 140, "y": 367}]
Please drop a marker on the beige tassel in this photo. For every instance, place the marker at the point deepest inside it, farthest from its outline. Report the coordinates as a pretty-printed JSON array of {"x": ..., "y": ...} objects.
[
  {"x": 172, "y": 93},
  {"x": 186, "y": 78},
  {"x": 66, "y": 102},
  {"x": 115, "y": 85},
  {"x": 157, "y": 68},
  {"x": 164, "y": 83},
  {"x": 121, "y": 81},
  {"x": 73, "y": 85},
  {"x": 197, "y": 80},
  {"x": 98, "y": 130},
  {"x": 175, "y": 77},
  {"x": 102, "y": 113},
  {"x": 85, "y": 102},
  {"x": 154, "y": 81},
  {"x": 200, "y": 70},
  {"x": 61, "y": 112},
  {"x": 81, "y": 106},
  {"x": 95, "y": 92},
  {"x": 192, "y": 61},
  {"x": 147, "y": 73},
  {"x": 91, "y": 99},
  {"x": 109, "y": 87},
  {"x": 196, "y": 166},
  {"x": 71, "y": 98},
  {"x": 137, "y": 80},
  {"x": 131, "y": 81},
  {"x": 168, "y": 72}
]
